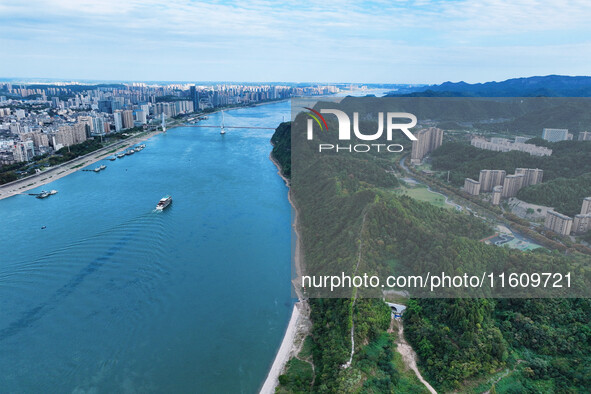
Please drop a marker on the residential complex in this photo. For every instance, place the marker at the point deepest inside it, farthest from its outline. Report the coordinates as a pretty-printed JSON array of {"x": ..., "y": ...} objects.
[
  {"x": 584, "y": 136},
  {"x": 563, "y": 224},
  {"x": 581, "y": 223},
  {"x": 503, "y": 185},
  {"x": 472, "y": 187},
  {"x": 557, "y": 222},
  {"x": 555, "y": 135},
  {"x": 532, "y": 176},
  {"x": 504, "y": 145},
  {"x": 428, "y": 140},
  {"x": 512, "y": 184},
  {"x": 497, "y": 193},
  {"x": 490, "y": 178}
]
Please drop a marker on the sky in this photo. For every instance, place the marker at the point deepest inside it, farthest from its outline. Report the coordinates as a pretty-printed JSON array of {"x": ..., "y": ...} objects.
[{"x": 390, "y": 41}]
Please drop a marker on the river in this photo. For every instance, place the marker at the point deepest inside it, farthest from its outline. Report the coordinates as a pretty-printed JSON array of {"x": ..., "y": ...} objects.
[{"x": 113, "y": 296}]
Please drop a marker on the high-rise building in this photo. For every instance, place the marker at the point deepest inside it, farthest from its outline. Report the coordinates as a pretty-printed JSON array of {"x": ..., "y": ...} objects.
[
  {"x": 586, "y": 207},
  {"x": 532, "y": 176},
  {"x": 105, "y": 106},
  {"x": 491, "y": 178},
  {"x": 555, "y": 135},
  {"x": 117, "y": 120},
  {"x": 194, "y": 97},
  {"x": 127, "y": 117},
  {"x": 140, "y": 116},
  {"x": 427, "y": 141},
  {"x": 512, "y": 184},
  {"x": 23, "y": 151},
  {"x": 557, "y": 222},
  {"x": 497, "y": 192},
  {"x": 585, "y": 136},
  {"x": 98, "y": 126},
  {"x": 471, "y": 186},
  {"x": 69, "y": 134},
  {"x": 581, "y": 223},
  {"x": 40, "y": 139},
  {"x": 87, "y": 121}
]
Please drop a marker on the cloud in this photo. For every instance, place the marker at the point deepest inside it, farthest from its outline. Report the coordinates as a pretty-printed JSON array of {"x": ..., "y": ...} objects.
[{"x": 253, "y": 38}]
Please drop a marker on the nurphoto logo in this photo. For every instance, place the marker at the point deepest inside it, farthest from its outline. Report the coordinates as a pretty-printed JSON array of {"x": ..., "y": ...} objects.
[{"x": 344, "y": 130}]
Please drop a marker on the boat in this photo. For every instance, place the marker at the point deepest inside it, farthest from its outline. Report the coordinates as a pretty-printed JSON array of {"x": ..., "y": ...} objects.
[
  {"x": 112, "y": 158},
  {"x": 222, "y": 130},
  {"x": 164, "y": 202},
  {"x": 43, "y": 194},
  {"x": 98, "y": 169},
  {"x": 53, "y": 192},
  {"x": 102, "y": 167},
  {"x": 121, "y": 155},
  {"x": 130, "y": 152}
]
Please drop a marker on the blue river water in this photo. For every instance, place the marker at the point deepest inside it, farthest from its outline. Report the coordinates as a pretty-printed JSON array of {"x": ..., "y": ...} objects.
[{"x": 113, "y": 296}]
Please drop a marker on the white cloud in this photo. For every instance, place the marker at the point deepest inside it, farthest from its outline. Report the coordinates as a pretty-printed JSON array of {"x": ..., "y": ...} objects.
[{"x": 330, "y": 35}]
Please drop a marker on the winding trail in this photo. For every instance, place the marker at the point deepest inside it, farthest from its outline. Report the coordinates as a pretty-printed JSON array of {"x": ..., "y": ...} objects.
[
  {"x": 409, "y": 357},
  {"x": 348, "y": 363}
]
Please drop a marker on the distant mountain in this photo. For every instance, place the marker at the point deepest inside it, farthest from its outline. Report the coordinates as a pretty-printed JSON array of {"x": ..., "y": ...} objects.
[{"x": 547, "y": 86}]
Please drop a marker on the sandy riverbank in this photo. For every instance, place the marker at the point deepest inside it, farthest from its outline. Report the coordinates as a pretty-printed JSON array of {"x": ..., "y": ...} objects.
[
  {"x": 299, "y": 323},
  {"x": 31, "y": 182}
]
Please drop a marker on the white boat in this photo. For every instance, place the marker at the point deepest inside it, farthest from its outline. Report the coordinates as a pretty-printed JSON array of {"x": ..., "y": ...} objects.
[
  {"x": 222, "y": 130},
  {"x": 164, "y": 202},
  {"x": 97, "y": 169},
  {"x": 53, "y": 192},
  {"x": 103, "y": 167},
  {"x": 43, "y": 194}
]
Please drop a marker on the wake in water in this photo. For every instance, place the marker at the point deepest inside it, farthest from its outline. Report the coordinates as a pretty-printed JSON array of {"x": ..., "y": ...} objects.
[{"x": 124, "y": 242}]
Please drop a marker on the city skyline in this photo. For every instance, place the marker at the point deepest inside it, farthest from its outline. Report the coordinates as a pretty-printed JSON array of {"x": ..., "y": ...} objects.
[{"x": 338, "y": 41}]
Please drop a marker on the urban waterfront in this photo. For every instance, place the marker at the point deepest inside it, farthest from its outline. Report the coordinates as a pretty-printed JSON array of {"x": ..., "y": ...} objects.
[{"x": 113, "y": 296}]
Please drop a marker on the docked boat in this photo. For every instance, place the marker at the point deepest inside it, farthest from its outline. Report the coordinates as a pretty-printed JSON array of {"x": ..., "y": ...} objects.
[
  {"x": 164, "y": 203},
  {"x": 130, "y": 152},
  {"x": 98, "y": 169},
  {"x": 53, "y": 192},
  {"x": 112, "y": 158},
  {"x": 121, "y": 155},
  {"x": 102, "y": 167},
  {"x": 43, "y": 194}
]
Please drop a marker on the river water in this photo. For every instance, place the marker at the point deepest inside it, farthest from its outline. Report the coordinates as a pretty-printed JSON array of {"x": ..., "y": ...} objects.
[{"x": 113, "y": 296}]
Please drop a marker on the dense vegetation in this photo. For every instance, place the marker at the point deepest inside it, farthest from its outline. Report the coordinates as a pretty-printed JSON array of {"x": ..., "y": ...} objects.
[
  {"x": 546, "y": 341},
  {"x": 564, "y": 194},
  {"x": 281, "y": 141}
]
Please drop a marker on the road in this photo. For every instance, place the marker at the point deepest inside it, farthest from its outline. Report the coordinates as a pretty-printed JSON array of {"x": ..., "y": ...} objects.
[{"x": 61, "y": 170}]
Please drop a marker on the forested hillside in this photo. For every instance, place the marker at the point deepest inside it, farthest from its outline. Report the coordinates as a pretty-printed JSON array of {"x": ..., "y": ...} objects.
[
  {"x": 543, "y": 345},
  {"x": 564, "y": 194}
]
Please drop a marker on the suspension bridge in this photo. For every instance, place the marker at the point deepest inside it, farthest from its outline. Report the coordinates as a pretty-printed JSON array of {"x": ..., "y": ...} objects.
[{"x": 230, "y": 127}]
